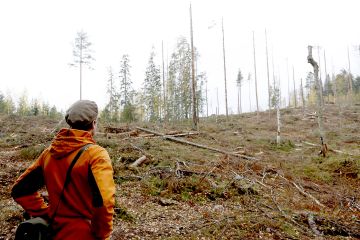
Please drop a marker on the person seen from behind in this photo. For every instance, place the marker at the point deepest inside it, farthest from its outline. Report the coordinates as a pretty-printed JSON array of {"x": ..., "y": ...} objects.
[{"x": 85, "y": 210}]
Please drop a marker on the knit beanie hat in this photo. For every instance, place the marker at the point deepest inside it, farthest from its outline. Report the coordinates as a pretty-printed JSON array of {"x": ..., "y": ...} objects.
[{"x": 81, "y": 114}]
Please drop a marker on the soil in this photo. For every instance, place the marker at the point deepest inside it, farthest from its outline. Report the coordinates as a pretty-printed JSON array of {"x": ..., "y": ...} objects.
[{"x": 285, "y": 191}]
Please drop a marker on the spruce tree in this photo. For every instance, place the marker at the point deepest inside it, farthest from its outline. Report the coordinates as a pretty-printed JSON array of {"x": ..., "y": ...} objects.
[{"x": 152, "y": 90}]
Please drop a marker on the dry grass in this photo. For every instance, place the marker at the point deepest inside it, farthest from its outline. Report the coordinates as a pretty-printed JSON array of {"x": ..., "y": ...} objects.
[{"x": 183, "y": 192}]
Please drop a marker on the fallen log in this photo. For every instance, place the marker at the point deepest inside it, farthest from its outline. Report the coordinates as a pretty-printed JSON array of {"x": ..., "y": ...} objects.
[
  {"x": 174, "y": 139},
  {"x": 138, "y": 162},
  {"x": 151, "y": 135},
  {"x": 330, "y": 150}
]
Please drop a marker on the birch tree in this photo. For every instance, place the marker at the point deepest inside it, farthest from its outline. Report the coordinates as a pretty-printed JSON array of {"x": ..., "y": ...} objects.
[
  {"x": 178, "y": 84},
  {"x": 201, "y": 100},
  {"x": 9, "y": 104},
  {"x": 276, "y": 98},
  {"x": 2, "y": 103},
  {"x": 23, "y": 106},
  {"x": 82, "y": 54}
]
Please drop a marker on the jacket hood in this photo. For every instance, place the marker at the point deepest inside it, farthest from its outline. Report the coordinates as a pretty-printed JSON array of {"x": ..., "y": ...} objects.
[{"x": 69, "y": 140}]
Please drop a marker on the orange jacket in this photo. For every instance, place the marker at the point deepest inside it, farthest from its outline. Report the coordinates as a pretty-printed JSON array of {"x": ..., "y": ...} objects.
[{"x": 87, "y": 207}]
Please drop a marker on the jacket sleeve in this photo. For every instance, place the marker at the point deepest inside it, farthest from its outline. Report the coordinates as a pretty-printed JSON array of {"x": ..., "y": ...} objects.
[
  {"x": 103, "y": 191},
  {"x": 25, "y": 190}
]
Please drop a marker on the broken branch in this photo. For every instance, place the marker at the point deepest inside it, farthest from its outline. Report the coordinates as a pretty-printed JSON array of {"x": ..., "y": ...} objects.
[{"x": 304, "y": 193}]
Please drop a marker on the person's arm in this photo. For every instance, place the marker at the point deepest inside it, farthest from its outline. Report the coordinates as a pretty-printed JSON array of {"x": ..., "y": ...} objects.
[
  {"x": 103, "y": 191},
  {"x": 25, "y": 190}
]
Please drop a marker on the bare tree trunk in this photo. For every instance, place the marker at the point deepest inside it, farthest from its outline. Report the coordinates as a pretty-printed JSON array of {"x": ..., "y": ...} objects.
[
  {"x": 163, "y": 71},
  {"x": 302, "y": 95},
  {"x": 207, "y": 103},
  {"x": 273, "y": 69},
  {"x": 249, "y": 92},
  {"x": 240, "y": 98},
  {"x": 223, "y": 38},
  {"x": 256, "y": 93},
  {"x": 267, "y": 68},
  {"x": 320, "y": 81},
  {"x": 334, "y": 88},
  {"x": 217, "y": 100},
  {"x": 288, "y": 76},
  {"x": 195, "y": 126},
  {"x": 350, "y": 91},
  {"x": 80, "y": 63},
  {"x": 295, "y": 101},
  {"x": 238, "y": 101},
  {"x": 318, "y": 89},
  {"x": 326, "y": 78},
  {"x": 278, "y": 138}
]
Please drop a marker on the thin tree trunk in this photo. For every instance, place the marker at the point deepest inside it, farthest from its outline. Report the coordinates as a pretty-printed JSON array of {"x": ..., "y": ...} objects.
[
  {"x": 80, "y": 63},
  {"x": 240, "y": 98},
  {"x": 326, "y": 79},
  {"x": 195, "y": 126},
  {"x": 302, "y": 96},
  {"x": 207, "y": 103},
  {"x": 278, "y": 102},
  {"x": 350, "y": 91},
  {"x": 334, "y": 88},
  {"x": 223, "y": 38},
  {"x": 278, "y": 138},
  {"x": 250, "y": 94},
  {"x": 125, "y": 84},
  {"x": 320, "y": 80},
  {"x": 256, "y": 93},
  {"x": 111, "y": 93},
  {"x": 164, "y": 90},
  {"x": 267, "y": 68},
  {"x": 288, "y": 76},
  {"x": 217, "y": 100},
  {"x": 80, "y": 80},
  {"x": 295, "y": 101},
  {"x": 273, "y": 69}
]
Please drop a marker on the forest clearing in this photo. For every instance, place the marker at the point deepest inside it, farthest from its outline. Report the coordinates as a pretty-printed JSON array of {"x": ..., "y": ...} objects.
[{"x": 237, "y": 183}]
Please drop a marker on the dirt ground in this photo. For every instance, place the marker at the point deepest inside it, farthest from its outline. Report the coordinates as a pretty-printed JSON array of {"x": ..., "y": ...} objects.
[{"x": 259, "y": 190}]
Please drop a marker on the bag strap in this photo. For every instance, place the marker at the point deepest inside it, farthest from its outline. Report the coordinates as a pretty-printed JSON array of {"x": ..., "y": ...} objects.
[{"x": 68, "y": 178}]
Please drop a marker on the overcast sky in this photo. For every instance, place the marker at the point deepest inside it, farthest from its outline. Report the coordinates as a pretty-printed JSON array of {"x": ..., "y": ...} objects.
[{"x": 37, "y": 36}]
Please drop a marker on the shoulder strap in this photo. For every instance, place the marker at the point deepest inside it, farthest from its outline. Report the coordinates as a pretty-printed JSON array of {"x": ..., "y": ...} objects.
[
  {"x": 68, "y": 177},
  {"x": 68, "y": 173}
]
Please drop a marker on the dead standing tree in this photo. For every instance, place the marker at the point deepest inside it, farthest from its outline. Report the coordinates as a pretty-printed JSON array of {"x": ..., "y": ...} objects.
[
  {"x": 193, "y": 81},
  {"x": 319, "y": 100}
]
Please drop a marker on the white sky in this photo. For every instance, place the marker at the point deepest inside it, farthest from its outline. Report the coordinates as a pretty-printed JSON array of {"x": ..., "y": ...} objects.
[{"x": 36, "y": 42}]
